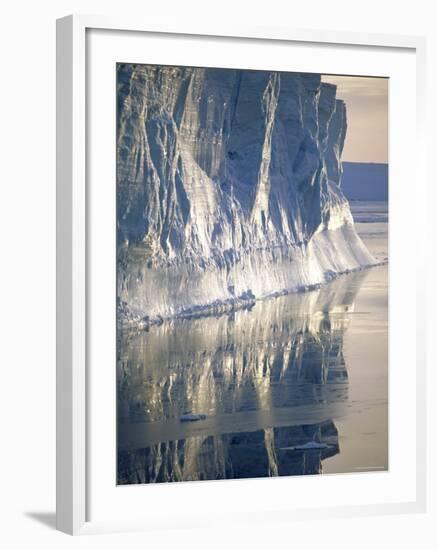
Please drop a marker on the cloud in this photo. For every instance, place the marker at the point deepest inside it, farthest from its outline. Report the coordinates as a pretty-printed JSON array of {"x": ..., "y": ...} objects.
[
  {"x": 366, "y": 101},
  {"x": 358, "y": 85}
]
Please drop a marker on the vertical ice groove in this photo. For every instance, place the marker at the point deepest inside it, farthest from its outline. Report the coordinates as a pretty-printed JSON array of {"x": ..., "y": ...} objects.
[
  {"x": 228, "y": 188},
  {"x": 269, "y": 105}
]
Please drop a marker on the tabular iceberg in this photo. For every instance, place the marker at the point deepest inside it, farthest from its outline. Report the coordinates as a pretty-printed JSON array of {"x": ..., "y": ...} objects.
[{"x": 228, "y": 189}]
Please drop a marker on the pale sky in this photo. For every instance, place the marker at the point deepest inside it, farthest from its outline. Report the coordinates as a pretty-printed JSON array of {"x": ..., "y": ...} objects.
[{"x": 366, "y": 101}]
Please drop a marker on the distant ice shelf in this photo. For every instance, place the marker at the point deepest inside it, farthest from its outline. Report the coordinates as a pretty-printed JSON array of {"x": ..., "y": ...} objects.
[{"x": 365, "y": 181}]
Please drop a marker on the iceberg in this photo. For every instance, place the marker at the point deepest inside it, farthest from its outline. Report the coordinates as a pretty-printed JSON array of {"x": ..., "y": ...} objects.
[
  {"x": 192, "y": 417},
  {"x": 228, "y": 189},
  {"x": 309, "y": 446}
]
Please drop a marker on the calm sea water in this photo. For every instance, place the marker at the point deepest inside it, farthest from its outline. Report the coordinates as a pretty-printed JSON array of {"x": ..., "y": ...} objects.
[{"x": 296, "y": 369}]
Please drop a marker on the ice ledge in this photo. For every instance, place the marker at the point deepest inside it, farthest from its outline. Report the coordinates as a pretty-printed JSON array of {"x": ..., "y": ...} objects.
[
  {"x": 329, "y": 255},
  {"x": 127, "y": 320}
]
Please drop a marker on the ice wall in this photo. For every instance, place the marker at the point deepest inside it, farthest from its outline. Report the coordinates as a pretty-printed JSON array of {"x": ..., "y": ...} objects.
[{"x": 227, "y": 188}]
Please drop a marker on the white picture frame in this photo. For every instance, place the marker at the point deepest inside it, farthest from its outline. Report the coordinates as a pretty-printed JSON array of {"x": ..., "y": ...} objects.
[{"x": 73, "y": 298}]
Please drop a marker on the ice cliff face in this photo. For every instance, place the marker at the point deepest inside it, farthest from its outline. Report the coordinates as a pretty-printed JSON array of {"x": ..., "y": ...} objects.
[{"x": 227, "y": 188}]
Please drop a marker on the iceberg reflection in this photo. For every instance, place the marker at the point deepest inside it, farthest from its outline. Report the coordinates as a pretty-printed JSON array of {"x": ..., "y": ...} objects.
[{"x": 268, "y": 379}]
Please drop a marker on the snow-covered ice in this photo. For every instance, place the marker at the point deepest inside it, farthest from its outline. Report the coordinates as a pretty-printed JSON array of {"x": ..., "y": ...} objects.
[{"x": 228, "y": 189}]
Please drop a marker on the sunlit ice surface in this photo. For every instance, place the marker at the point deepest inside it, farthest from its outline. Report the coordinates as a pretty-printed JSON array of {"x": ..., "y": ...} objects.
[{"x": 288, "y": 371}]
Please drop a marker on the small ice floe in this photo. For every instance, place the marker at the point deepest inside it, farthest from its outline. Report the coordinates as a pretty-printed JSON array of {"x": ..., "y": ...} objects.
[
  {"x": 310, "y": 446},
  {"x": 190, "y": 417}
]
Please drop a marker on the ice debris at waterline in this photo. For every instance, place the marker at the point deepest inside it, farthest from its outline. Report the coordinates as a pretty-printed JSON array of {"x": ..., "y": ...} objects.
[
  {"x": 191, "y": 417},
  {"x": 310, "y": 446},
  {"x": 228, "y": 189}
]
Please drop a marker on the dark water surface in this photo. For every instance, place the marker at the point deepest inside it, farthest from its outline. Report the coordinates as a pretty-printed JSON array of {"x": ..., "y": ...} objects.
[{"x": 292, "y": 370}]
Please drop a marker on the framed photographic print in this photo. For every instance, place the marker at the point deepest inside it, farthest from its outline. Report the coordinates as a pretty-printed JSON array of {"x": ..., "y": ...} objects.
[{"x": 240, "y": 300}]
